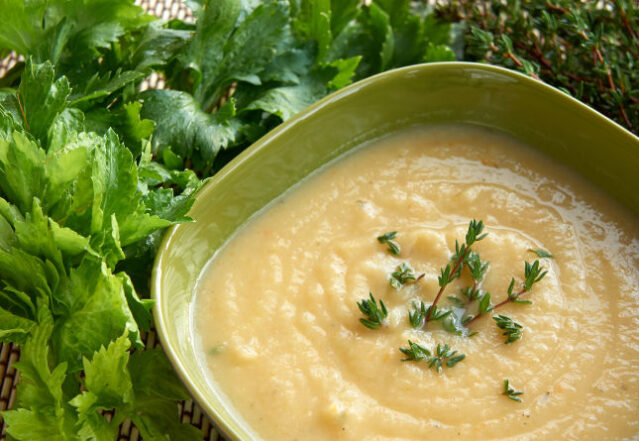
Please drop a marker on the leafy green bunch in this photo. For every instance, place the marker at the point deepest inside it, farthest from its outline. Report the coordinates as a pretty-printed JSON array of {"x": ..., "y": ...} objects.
[
  {"x": 588, "y": 49},
  {"x": 72, "y": 204},
  {"x": 105, "y": 49},
  {"x": 251, "y": 65},
  {"x": 92, "y": 169},
  {"x": 241, "y": 69}
]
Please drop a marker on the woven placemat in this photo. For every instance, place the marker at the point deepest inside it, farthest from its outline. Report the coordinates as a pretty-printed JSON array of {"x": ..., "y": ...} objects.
[{"x": 10, "y": 353}]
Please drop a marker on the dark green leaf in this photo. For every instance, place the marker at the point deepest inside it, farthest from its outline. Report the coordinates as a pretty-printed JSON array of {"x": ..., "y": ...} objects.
[{"x": 182, "y": 126}]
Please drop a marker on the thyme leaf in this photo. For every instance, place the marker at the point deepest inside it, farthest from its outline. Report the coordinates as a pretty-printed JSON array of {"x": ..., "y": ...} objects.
[
  {"x": 484, "y": 304},
  {"x": 443, "y": 356},
  {"x": 541, "y": 253},
  {"x": 417, "y": 317},
  {"x": 402, "y": 274},
  {"x": 476, "y": 266},
  {"x": 533, "y": 273},
  {"x": 512, "y": 330},
  {"x": 510, "y": 392},
  {"x": 387, "y": 238},
  {"x": 415, "y": 352}
]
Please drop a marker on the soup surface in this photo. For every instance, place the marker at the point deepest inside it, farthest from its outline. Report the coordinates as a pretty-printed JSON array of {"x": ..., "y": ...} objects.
[{"x": 278, "y": 323}]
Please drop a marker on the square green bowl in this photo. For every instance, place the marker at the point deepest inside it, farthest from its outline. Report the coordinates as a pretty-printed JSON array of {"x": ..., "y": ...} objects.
[{"x": 531, "y": 111}]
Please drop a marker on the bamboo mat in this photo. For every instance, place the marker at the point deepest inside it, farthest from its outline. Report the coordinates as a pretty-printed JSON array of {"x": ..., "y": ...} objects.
[{"x": 10, "y": 353}]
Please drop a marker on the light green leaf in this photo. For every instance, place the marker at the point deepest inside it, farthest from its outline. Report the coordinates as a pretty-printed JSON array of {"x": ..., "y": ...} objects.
[
  {"x": 8, "y": 237},
  {"x": 156, "y": 388},
  {"x": 93, "y": 425},
  {"x": 14, "y": 328},
  {"x": 35, "y": 425},
  {"x": 68, "y": 241},
  {"x": 21, "y": 171},
  {"x": 114, "y": 183},
  {"x": 64, "y": 129},
  {"x": 153, "y": 376},
  {"x": 40, "y": 386},
  {"x": 42, "y": 98},
  {"x": 345, "y": 72},
  {"x": 23, "y": 273},
  {"x": 132, "y": 127},
  {"x": 107, "y": 376},
  {"x": 140, "y": 308},
  {"x": 438, "y": 52},
  {"x": 98, "y": 313},
  {"x": 62, "y": 168},
  {"x": 35, "y": 237}
]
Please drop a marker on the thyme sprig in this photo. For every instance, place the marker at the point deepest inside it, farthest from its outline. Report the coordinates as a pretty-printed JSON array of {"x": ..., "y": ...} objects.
[
  {"x": 533, "y": 273},
  {"x": 415, "y": 352},
  {"x": 453, "y": 320},
  {"x": 453, "y": 269},
  {"x": 512, "y": 329},
  {"x": 588, "y": 49},
  {"x": 477, "y": 268},
  {"x": 388, "y": 239},
  {"x": 375, "y": 315},
  {"x": 444, "y": 355},
  {"x": 510, "y": 392},
  {"x": 402, "y": 275},
  {"x": 418, "y": 316}
]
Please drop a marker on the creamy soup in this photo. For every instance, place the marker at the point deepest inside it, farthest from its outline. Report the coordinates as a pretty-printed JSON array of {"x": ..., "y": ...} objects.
[{"x": 278, "y": 324}]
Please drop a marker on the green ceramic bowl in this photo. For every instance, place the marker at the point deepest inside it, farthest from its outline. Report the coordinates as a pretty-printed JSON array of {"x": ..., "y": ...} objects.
[{"x": 527, "y": 109}]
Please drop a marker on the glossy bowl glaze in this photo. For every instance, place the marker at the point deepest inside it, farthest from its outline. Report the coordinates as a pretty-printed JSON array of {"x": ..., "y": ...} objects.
[{"x": 537, "y": 114}]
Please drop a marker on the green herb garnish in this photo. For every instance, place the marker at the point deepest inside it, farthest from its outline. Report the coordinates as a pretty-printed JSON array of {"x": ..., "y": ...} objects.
[
  {"x": 414, "y": 352},
  {"x": 512, "y": 330},
  {"x": 477, "y": 269},
  {"x": 453, "y": 269},
  {"x": 444, "y": 355},
  {"x": 541, "y": 253},
  {"x": 375, "y": 315},
  {"x": 510, "y": 392},
  {"x": 80, "y": 217},
  {"x": 387, "y": 239},
  {"x": 402, "y": 274},
  {"x": 533, "y": 273},
  {"x": 418, "y": 316}
]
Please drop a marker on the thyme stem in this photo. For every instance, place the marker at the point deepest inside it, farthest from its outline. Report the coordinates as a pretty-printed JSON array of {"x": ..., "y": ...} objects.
[
  {"x": 441, "y": 290},
  {"x": 498, "y": 305},
  {"x": 474, "y": 234}
]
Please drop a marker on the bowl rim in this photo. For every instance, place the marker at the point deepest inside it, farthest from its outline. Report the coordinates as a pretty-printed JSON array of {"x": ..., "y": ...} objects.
[{"x": 211, "y": 183}]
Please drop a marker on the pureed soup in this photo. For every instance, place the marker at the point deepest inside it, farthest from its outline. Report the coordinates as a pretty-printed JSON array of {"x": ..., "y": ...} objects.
[{"x": 279, "y": 326}]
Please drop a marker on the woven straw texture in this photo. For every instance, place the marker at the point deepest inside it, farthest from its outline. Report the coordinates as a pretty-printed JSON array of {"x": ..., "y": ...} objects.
[{"x": 9, "y": 353}]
